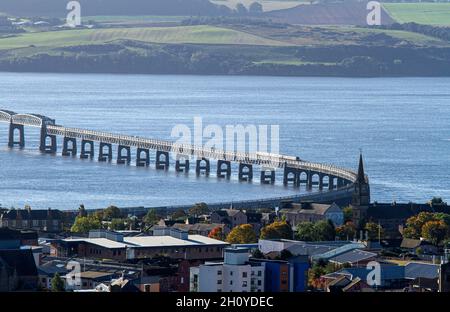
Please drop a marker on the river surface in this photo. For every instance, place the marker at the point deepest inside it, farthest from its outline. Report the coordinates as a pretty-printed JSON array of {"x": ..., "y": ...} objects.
[{"x": 402, "y": 125}]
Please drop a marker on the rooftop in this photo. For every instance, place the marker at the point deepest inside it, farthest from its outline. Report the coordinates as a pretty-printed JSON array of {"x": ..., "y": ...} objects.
[{"x": 150, "y": 241}]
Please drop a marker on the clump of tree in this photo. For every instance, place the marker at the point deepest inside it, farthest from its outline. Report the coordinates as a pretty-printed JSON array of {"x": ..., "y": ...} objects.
[
  {"x": 346, "y": 231},
  {"x": 374, "y": 231},
  {"x": 434, "y": 227},
  {"x": 152, "y": 217},
  {"x": 217, "y": 233},
  {"x": 242, "y": 234},
  {"x": 84, "y": 224},
  {"x": 112, "y": 212},
  {"x": 178, "y": 214},
  {"x": 199, "y": 209},
  {"x": 315, "y": 273},
  {"x": 57, "y": 283},
  {"x": 277, "y": 230},
  {"x": 323, "y": 230}
]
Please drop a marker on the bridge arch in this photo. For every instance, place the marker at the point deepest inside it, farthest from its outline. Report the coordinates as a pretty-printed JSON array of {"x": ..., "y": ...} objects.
[
  {"x": 6, "y": 115},
  {"x": 33, "y": 120}
]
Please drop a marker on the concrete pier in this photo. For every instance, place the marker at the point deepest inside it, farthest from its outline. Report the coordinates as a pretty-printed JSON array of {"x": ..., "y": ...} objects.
[
  {"x": 223, "y": 169},
  {"x": 123, "y": 158},
  {"x": 182, "y": 165},
  {"x": 162, "y": 160},
  {"x": 87, "y": 153},
  {"x": 203, "y": 166},
  {"x": 267, "y": 176},
  {"x": 142, "y": 161},
  {"x": 105, "y": 156},
  {"x": 245, "y": 172},
  {"x": 291, "y": 175},
  {"x": 69, "y": 150},
  {"x": 12, "y": 130}
]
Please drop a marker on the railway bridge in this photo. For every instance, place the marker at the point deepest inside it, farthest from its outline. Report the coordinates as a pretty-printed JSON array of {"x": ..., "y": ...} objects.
[{"x": 82, "y": 143}]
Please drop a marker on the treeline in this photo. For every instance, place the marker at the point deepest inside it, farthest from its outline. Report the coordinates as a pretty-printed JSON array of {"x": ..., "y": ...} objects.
[
  {"x": 114, "y": 7},
  {"x": 439, "y": 32},
  {"x": 141, "y": 58}
]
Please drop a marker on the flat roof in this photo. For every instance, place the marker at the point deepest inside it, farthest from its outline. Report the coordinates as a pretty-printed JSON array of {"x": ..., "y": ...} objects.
[{"x": 151, "y": 241}]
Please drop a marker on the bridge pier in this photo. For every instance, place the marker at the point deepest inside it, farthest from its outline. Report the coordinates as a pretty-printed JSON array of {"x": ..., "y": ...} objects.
[
  {"x": 72, "y": 151},
  {"x": 12, "y": 129},
  {"x": 340, "y": 182},
  {"x": 287, "y": 179},
  {"x": 309, "y": 183},
  {"x": 223, "y": 172},
  {"x": 267, "y": 176},
  {"x": 105, "y": 156},
  {"x": 206, "y": 168},
  {"x": 162, "y": 164},
  {"x": 85, "y": 154},
  {"x": 321, "y": 176},
  {"x": 142, "y": 161},
  {"x": 123, "y": 159},
  {"x": 43, "y": 147},
  {"x": 330, "y": 183},
  {"x": 182, "y": 166},
  {"x": 245, "y": 172}
]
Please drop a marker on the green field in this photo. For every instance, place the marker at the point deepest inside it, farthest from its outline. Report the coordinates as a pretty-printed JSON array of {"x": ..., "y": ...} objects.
[
  {"x": 182, "y": 34},
  {"x": 422, "y": 13}
]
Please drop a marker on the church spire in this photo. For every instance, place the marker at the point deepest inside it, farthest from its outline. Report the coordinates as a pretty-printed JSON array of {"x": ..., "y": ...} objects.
[{"x": 361, "y": 175}]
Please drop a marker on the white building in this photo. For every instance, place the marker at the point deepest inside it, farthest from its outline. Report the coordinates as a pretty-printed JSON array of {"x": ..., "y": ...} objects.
[{"x": 235, "y": 274}]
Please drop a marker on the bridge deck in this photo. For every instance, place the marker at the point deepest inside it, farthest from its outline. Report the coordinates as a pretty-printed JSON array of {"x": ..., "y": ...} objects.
[{"x": 265, "y": 160}]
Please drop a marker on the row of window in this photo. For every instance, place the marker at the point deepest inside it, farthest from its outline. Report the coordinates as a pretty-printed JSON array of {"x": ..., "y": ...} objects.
[{"x": 244, "y": 274}]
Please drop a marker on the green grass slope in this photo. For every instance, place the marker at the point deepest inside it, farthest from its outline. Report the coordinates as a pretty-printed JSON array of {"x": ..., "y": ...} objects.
[
  {"x": 182, "y": 34},
  {"x": 422, "y": 13}
]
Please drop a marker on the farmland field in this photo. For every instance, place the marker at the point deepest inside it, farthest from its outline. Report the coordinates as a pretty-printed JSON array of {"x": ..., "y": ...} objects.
[
  {"x": 182, "y": 34},
  {"x": 422, "y": 13}
]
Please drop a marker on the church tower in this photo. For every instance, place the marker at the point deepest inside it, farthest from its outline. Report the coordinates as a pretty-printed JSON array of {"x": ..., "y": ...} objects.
[{"x": 361, "y": 195}]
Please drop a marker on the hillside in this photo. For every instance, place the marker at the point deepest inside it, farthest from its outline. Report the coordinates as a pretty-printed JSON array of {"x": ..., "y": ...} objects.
[
  {"x": 57, "y": 8},
  {"x": 347, "y": 13}
]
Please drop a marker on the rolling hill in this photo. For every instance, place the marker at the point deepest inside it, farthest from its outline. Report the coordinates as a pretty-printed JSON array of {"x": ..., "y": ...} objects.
[{"x": 57, "y": 8}]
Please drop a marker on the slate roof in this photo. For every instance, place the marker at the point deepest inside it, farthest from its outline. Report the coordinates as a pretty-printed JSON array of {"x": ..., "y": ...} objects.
[
  {"x": 388, "y": 272},
  {"x": 21, "y": 260},
  {"x": 402, "y": 211},
  {"x": 415, "y": 270},
  {"x": 353, "y": 256},
  {"x": 198, "y": 227},
  {"x": 410, "y": 243},
  {"x": 26, "y": 214},
  {"x": 309, "y": 208}
]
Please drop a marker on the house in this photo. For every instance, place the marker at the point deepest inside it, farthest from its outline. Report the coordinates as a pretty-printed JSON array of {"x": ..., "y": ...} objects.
[
  {"x": 27, "y": 219},
  {"x": 102, "y": 244},
  {"x": 201, "y": 228},
  {"x": 418, "y": 246},
  {"x": 312, "y": 212},
  {"x": 230, "y": 217}
]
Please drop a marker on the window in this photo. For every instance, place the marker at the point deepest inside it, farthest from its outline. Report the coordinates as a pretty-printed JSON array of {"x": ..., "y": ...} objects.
[
  {"x": 231, "y": 282},
  {"x": 259, "y": 282},
  {"x": 244, "y": 284},
  {"x": 259, "y": 273},
  {"x": 231, "y": 273},
  {"x": 219, "y": 282},
  {"x": 219, "y": 272},
  {"x": 244, "y": 274}
]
